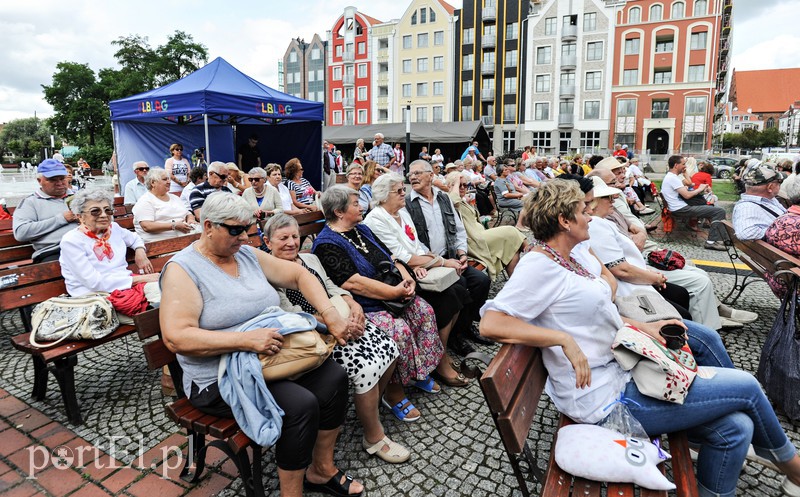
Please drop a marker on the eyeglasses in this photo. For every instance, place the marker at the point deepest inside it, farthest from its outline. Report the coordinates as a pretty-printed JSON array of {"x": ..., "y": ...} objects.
[
  {"x": 178, "y": 150},
  {"x": 142, "y": 168},
  {"x": 223, "y": 177},
  {"x": 417, "y": 173},
  {"x": 97, "y": 211},
  {"x": 255, "y": 180},
  {"x": 462, "y": 185},
  {"x": 235, "y": 230},
  {"x": 355, "y": 174},
  {"x": 399, "y": 191}
]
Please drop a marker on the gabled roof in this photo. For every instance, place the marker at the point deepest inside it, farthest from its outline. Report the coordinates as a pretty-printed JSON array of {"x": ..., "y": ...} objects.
[
  {"x": 372, "y": 20},
  {"x": 765, "y": 91},
  {"x": 446, "y": 6}
]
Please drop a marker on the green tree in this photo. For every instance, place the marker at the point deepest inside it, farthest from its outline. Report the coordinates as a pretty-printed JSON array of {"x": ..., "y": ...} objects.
[
  {"x": 771, "y": 137},
  {"x": 180, "y": 56},
  {"x": 81, "y": 113},
  {"x": 26, "y": 137},
  {"x": 731, "y": 140}
]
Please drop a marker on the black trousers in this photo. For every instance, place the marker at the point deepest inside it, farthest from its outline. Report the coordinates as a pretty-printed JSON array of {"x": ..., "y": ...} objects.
[
  {"x": 315, "y": 401},
  {"x": 477, "y": 283},
  {"x": 678, "y": 297}
]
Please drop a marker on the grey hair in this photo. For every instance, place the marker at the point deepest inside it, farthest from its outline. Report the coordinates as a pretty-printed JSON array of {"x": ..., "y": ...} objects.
[
  {"x": 335, "y": 199},
  {"x": 426, "y": 166},
  {"x": 139, "y": 163},
  {"x": 279, "y": 221},
  {"x": 360, "y": 140},
  {"x": 154, "y": 175},
  {"x": 355, "y": 165},
  {"x": 383, "y": 186},
  {"x": 258, "y": 172},
  {"x": 218, "y": 167},
  {"x": 83, "y": 196},
  {"x": 378, "y": 135},
  {"x": 500, "y": 168},
  {"x": 221, "y": 206}
]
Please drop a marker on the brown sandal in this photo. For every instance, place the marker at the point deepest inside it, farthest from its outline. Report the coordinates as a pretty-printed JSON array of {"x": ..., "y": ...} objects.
[{"x": 459, "y": 381}]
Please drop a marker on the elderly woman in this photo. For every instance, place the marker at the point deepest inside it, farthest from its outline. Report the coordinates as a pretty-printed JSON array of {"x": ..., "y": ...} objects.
[
  {"x": 355, "y": 176},
  {"x": 303, "y": 194},
  {"x": 209, "y": 289},
  {"x": 93, "y": 255},
  {"x": 264, "y": 199},
  {"x": 275, "y": 180},
  {"x": 368, "y": 358},
  {"x": 158, "y": 215},
  {"x": 496, "y": 248},
  {"x": 177, "y": 168},
  {"x": 508, "y": 197},
  {"x": 782, "y": 233},
  {"x": 351, "y": 255},
  {"x": 360, "y": 151},
  {"x": 372, "y": 171},
  {"x": 393, "y": 226},
  {"x": 724, "y": 411}
]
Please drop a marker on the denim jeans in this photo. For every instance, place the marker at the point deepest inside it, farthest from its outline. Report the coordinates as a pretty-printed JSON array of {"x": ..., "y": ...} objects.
[
  {"x": 724, "y": 414},
  {"x": 706, "y": 346}
]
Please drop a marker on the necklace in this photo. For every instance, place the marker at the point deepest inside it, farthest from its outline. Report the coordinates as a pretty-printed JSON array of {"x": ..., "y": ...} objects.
[
  {"x": 361, "y": 245},
  {"x": 571, "y": 265}
]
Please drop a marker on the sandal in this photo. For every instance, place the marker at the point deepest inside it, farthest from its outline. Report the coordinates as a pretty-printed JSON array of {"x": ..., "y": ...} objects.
[
  {"x": 427, "y": 385},
  {"x": 396, "y": 453},
  {"x": 333, "y": 486},
  {"x": 459, "y": 381},
  {"x": 401, "y": 412}
]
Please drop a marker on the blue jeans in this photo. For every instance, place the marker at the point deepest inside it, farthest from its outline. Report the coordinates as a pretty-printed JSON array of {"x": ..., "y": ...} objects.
[{"x": 707, "y": 346}]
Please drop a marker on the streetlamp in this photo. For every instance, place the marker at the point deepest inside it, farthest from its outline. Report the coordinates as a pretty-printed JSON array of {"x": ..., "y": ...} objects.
[
  {"x": 789, "y": 123},
  {"x": 408, "y": 135}
]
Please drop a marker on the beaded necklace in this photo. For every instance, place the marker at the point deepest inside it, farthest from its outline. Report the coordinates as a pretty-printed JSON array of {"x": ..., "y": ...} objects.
[
  {"x": 361, "y": 245},
  {"x": 571, "y": 265}
]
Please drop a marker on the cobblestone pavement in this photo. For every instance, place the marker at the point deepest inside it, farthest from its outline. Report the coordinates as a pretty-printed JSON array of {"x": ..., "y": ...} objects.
[{"x": 455, "y": 448}]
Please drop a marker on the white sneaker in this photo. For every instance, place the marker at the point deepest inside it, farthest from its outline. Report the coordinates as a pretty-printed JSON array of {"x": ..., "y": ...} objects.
[
  {"x": 789, "y": 488},
  {"x": 726, "y": 323},
  {"x": 737, "y": 314},
  {"x": 646, "y": 210}
]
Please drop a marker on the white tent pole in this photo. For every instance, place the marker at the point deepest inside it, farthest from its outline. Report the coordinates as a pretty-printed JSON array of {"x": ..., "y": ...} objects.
[{"x": 208, "y": 148}]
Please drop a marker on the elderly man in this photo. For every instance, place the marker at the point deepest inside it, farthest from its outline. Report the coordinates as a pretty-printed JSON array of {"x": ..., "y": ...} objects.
[
  {"x": 382, "y": 153},
  {"x": 43, "y": 217},
  {"x": 440, "y": 229},
  {"x": 135, "y": 188},
  {"x": 473, "y": 148},
  {"x": 757, "y": 208},
  {"x": 490, "y": 171},
  {"x": 217, "y": 181},
  {"x": 330, "y": 167}
]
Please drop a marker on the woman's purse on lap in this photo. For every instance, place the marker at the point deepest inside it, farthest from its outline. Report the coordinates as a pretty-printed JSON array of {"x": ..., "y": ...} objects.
[
  {"x": 388, "y": 274},
  {"x": 646, "y": 307},
  {"x": 658, "y": 372},
  {"x": 438, "y": 279},
  {"x": 87, "y": 317}
]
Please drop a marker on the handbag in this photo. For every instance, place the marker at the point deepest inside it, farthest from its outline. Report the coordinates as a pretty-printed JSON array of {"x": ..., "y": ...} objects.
[
  {"x": 438, "y": 279},
  {"x": 646, "y": 306},
  {"x": 87, "y": 317},
  {"x": 778, "y": 368},
  {"x": 667, "y": 221},
  {"x": 387, "y": 272},
  {"x": 666, "y": 260},
  {"x": 658, "y": 372}
]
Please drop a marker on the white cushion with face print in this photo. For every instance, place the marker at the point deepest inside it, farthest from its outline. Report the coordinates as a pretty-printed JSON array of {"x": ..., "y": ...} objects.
[{"x": 600, "y": 454}]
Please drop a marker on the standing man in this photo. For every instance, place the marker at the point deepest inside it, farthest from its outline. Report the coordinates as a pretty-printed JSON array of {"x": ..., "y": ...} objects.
[
  {"x": 248, "y": 155},
  {"x": 383, "y": 153},
  {"x": 757, "y": 208},
  {"x": 474, "y": 148},
  {"x": 44, "y": 217},
  {"x": 329, "y": 167},
  {"x": 135, "y": 188}
]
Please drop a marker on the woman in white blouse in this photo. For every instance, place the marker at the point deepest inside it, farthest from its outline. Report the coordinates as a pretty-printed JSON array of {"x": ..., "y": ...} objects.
[
  {"x": 158, "y": 215},
  {"x": 274, "y": 178}
]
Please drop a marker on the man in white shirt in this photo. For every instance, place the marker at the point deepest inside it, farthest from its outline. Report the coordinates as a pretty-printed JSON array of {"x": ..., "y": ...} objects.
[
  {"x": 757, "y": 208},
  {"x": 490, "y": 171},
  {"x": 135, "y": 188},
  {"x": 676, "y": 194}
]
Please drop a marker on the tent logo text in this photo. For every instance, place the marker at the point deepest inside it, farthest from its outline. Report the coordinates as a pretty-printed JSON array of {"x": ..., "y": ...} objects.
[
  {"x": 154, "y": 106},
  {"x": 270, "y": 108}
]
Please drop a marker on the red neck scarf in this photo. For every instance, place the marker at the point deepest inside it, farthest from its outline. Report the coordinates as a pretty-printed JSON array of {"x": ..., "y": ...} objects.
[{"x": 102, "y": 249}]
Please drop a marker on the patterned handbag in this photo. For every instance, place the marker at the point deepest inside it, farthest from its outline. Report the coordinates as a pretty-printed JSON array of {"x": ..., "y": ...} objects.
[{"x": 87, "y": 317}]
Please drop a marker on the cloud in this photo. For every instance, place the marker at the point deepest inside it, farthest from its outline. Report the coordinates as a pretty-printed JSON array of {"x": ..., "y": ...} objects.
[{"x": 775, "y": 53}]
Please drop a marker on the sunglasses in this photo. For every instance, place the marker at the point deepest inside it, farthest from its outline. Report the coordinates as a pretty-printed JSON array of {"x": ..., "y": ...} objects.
[
  {"x": 235, "y": 230},
  {"x": 142, "y": 168},
  {"x": 255, "y": 180},
  {"x": 178, "y": 150},
  {"x": 220, "y": 176},
  {"x": 97, "y": 211},
  {"x": 400, "y": 191}
]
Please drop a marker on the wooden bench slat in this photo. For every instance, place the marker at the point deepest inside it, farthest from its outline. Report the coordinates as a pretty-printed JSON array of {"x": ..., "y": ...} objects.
[
  {"x": 518, "y": 416},
  {"x": 157, "y": 354},
  {"x": 14, "y": 298},
  {"x": 504, "y": 373},
  {"x": 16, "y": 253},
  {"x": 682, "y": 468},
  {"x": 223, "y": 428},
  {"x": 22, "y": 342},
  {"x": 589, "y": 488}
]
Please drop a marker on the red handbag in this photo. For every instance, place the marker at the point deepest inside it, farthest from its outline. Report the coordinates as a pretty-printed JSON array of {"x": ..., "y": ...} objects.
[{"x": 666, "y": 260}]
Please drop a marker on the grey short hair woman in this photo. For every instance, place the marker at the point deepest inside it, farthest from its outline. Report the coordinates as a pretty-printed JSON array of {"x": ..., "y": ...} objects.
[{"x": 159, "y": 215}]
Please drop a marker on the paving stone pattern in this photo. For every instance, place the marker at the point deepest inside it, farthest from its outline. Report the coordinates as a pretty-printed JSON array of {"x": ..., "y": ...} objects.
[{"x": 455, "y": 448}]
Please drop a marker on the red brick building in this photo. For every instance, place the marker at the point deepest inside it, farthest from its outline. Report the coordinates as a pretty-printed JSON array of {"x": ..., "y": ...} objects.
[{"x": 670, "y": 66}]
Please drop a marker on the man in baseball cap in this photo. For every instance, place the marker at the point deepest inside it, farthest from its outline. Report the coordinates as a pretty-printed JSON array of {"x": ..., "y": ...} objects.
[{"x": 757, "y": 208}]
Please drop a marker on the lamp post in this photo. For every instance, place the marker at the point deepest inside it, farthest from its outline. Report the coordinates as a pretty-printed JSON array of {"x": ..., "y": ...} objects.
[
  {"x": 789, "y": 123},
  {"x": 408, "y": 136}
]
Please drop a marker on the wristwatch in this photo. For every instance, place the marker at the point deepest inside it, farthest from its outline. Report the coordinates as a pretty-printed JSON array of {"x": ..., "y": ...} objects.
[{"x": 173, "y": 225}]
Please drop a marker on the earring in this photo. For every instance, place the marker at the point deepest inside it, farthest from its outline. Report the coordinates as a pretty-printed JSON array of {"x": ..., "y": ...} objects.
[{"x": 569, "y": 229}]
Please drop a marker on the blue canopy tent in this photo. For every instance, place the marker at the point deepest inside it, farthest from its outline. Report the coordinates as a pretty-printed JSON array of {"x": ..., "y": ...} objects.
[{"x": 218, "y": 107}]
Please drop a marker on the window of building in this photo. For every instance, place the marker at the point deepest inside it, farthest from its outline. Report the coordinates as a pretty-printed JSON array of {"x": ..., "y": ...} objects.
[
  {"x": 467, "y": 87},
  {"x": 293, "y": 56},
  {"x": 569, "y": 20},
  {"x": 488, "y": 112},
  {"x": 662, "y": 76},
  {"x": 362, "y": 47},
  {"x": 630, "y": 77},
  {"x": 770, "y": 122},
  {"x": 488, "y": 84},
  {"x": 383, "y": 91},
  {"x": 407, "y": 41},
  {"x": 338, "y": 50},
  {"x": 632, "y": 46},
  {"x": 337, "y": 94},
  {"x": 407, "y": 89},
  {"x": 488, "y": 58},
  {"x": 590, "y": 21},
  {"x": 593, "y": 80},
  {"x": 311, "y": 76},
  {"x": 541, "y": 141},
  {"x": 511, "y": 58},
  {"x": 542, "y": 83},
  {"x": 316, "y": 54},
  {"x": 469, "y": 35},
  {"x": 659, "y": 109},
  {"x": 509, "y": 141},
  {"x": 489, "y": 31},
  {"x": 337, "y": 73},
  {"x": 568, "y": 49},
  {"x": 696, "y": 106},
  {"x": 700, "y": 8},
  {"x": 677, "y": 10},
  {"x": 362, "y": 93},
  {"x": 544, "y": 55},
  {"x": 550, "y": 26},
  {"x": 383, "y": 115},
  {"x": 422, "y": 39},
  {"x": 510, "y": 85},
  {"x": 697, "y": 73},
  {"x": 320, "y": 74},
  {"x": 438, "y": 88},
  {"x": 349, "y": 93},
  {"x": 634, "y": 15},
  {"x": 626, "y": 107},
  {"x": 438, "y": 36},
  {"x": 422, "y": 113},
  {"x": 694, "y": 119},
  {"x": 362, "y": 116},
  {"x": 698, "y": 41},
  {"x": 422, "y": 64},
  {"x": 406, "y": 65},
  {"x": 509, "y": 112},
  {"x": 567, "y": 79},
  {"x": 438, "y": 113},
  {"x": 591, "y": 109},
  {"x": 467, "y": 62},
  {"x": 337, "y": 117},
  {"x": 564, "y": 142},
  {"x": 466, "y": 113},
  {"x": 590, "y": 140},
  {"x": 541, "y": 111},
  {"x": 566, "y": 107},
  {"x": 362, "y": 70},
  {"x": 438, "y": 63},
  {"x": 656, "y": 13},
  {"x": 422, "y": 89},
  {"x": 594, "y": 50},
  {"x": 665, "y": 44},
  {"x": 414, "y": 18},
  {"x": 512, "y": 31}
]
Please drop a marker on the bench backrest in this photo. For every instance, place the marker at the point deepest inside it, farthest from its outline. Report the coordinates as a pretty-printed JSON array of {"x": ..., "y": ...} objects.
[
  {"x": 762, "y": 257},
  {"x": 310, "y": 223},
  {"x": 513, "y": 384}
]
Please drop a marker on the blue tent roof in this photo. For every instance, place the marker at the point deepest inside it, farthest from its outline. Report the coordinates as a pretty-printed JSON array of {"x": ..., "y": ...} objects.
[{"x": 221, "y": 91}]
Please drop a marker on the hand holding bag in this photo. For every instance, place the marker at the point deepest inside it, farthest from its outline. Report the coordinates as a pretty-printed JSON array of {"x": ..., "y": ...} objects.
[
  {"x": 87, "y": 317},
  {"x": 388, "y": 274},
  {"x": 438, "y": 279}
]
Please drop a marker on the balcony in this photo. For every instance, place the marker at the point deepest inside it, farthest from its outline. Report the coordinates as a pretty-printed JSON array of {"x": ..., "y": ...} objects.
[
  {"x": 383, "y": 55},
  {"x": 487, "y": 68},
  {"x": 489, "y": 41},
  {"x": 566, "y": 120},
  {"x": 487, "y": 94},
  {"x": 349, "y": 79},
  {"x": 349, "y": 56},
  {"x": 348, "y": 102},
  {"x": 568, "y": 62},
  {"x": 383, "y": 101},
  {"x": 569, "y": 33},
  {"x": 489, "y": 14},
  {"x": 566, "y": 91},
  {"x": 383, "y": 78},
  {"x": 487, "y": 121},
  {"x": 349, "y": 122}
]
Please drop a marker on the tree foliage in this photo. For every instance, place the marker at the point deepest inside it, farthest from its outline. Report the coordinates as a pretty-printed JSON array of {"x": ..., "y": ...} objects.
[
  {"x": 25, "y": 138},
  {"x": 751, "y": 139},
  {"x": 78, "y": 101}
]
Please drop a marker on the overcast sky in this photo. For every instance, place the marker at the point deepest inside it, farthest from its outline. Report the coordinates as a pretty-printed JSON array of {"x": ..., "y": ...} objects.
[{"x": 253, "y": 35}]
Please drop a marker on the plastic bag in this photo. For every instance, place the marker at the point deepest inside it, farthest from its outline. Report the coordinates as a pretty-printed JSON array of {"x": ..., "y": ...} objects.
[{"x": 620, "y": 419}]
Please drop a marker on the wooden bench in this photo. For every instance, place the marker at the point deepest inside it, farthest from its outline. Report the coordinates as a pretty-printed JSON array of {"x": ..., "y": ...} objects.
[
  {"x": 762, "y": 258},
  {"x": 225, "y": 433},
  {"x": 310, "y": 223},
  {"x": 512, "y": 386}
]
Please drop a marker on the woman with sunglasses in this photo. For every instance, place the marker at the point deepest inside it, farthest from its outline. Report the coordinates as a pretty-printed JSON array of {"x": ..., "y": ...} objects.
[
  {"x": 213, "y": 286},
  {"x": 93, "y": 254},
  {"x": 177, "y": 167}
]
